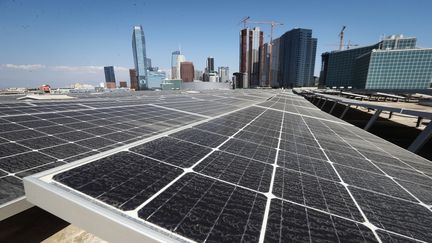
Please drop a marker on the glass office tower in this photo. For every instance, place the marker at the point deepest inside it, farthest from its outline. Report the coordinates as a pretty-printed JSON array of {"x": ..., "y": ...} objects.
[
  {"x": 297, "y": 58},
  {"x": 393, "y": 63},
  {"x": 140, "y": 58},
  {"x": 400, "y": 69}
]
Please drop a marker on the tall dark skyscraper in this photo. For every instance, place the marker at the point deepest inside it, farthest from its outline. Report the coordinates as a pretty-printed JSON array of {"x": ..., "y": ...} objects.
[
  {"x": 210, "y": 65},
  {"x": 110, "y": 77},
  {"x": 297, "y": 53},
  {"x": 140, "y": 58}
]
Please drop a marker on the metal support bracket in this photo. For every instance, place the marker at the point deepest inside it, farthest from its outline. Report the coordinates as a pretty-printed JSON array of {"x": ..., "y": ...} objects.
[
  {"x": 333, "y": 107},
  {"x": 322, "y": 106},
  {"x": 372, "y": 120},
  {"x": 421, "y": 139},
  {"x": 345, "y": 111}
]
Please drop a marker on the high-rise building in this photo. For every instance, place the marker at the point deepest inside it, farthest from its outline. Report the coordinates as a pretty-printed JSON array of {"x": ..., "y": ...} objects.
[
  {"x": 198, "y": 75},
  {"x": 393, "y": 63},
  {"x": 297, "y": 51},
  {"x": 148, "y": 63},
  {"x": 133, "y": 79},
  {"x": 187, "y": 71},
  {"x": 176, "y": 59},
  {"x": 224, "y": 74},
  {"x": 110, "y": 77},
  {"x": 274, "y": 67},
  {"x": 251, "y": 55},
  {"x": 210, "y": 65},
  {"x": 140, "y": 58},
  {"x": 338, "y": 70}
]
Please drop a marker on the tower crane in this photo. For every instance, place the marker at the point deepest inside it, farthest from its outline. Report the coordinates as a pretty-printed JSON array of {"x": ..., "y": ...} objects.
[
  {"x": 341, "y": 35},
  {"x": 244, "y": 21}
]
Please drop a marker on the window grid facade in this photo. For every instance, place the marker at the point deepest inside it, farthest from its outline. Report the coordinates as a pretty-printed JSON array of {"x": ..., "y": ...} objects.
[{"x": 400, "y": 69}]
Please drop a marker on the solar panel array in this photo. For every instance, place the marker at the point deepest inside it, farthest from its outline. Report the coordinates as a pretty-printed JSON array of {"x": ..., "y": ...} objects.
[
  {"x": 274, "y": 172},
  {"x": 36, "y": 136}
]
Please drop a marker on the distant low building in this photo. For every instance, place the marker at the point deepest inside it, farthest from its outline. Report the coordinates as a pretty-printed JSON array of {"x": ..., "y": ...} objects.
[
  {"x": 155, "y": 79},
  {"x": 171, "y": 84},
  {"x": 224, "y": 75},
  {"x": 123, "y": 84},
  {"x": 198, "y": 75}
]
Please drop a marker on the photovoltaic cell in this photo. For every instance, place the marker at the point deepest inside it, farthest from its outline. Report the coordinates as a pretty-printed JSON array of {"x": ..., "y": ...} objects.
[
  {"x": 200, "y": 137},
  {"x": 315, "y": 192},
  {"x": 203, "y": 209},
  {"x": 292, "y": 223},
  {"x": 10, "y": 189},
  {"x": 123, "y": 180},
  {"x": 307, "y": 165},
  {"x": 173, "y": 151},
  {"x": 24, "y": 161},
  {"x": 250, "y": 150},
  {"x": 238, "y": 170},
  {"x": 396, "y": 215}
]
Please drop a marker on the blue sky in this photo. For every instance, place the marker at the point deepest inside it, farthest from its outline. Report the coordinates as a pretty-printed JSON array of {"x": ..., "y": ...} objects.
[{"x": 63, "y": 42}]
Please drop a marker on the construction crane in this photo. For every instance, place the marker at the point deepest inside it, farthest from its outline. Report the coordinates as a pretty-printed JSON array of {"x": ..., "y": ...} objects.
[
  {"x": 349, "y": 45},
  {"x": 341, "y": 35},
  {"x": 244, "y": 21},
  {"x": 272, "y": 24}
]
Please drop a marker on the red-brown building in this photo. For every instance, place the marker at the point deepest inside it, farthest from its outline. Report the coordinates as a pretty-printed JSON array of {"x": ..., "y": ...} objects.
[
  {"x": 133, "y": 79},
  {"x": 123, "y": 84},
  {"x": 187, "y": 71}
]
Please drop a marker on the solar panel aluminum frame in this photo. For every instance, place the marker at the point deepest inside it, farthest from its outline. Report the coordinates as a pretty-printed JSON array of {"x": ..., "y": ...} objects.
[
  {"x": 103, "y": 222},
  {"x": 14, "y": 207}
]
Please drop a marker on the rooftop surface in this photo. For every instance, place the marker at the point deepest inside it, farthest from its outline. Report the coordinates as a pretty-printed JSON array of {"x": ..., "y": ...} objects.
[{"x": 254, "y": 165}]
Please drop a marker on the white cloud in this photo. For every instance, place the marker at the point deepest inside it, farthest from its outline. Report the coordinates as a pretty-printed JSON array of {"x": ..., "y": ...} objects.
[
  {"x": 26, "y": 67},
  {"x": 61, "y": 68},
  {"x": 78, "y": 69}
]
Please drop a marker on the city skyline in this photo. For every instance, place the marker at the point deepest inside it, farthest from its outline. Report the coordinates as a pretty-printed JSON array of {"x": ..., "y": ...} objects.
[{"x": 106, "y": 41}]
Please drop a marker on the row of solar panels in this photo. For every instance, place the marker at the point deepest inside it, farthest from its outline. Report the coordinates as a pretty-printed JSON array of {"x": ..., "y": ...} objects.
[{"x": 272, "y": 172}]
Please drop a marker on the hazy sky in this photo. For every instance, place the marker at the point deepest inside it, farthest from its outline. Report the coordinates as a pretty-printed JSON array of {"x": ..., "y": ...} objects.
[{"x": 63, "y": 42}]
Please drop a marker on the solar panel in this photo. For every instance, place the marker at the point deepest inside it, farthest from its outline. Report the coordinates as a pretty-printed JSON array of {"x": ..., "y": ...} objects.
[
  {"x": 275, "y": 171},
  {"x": 42, "y": 135}
]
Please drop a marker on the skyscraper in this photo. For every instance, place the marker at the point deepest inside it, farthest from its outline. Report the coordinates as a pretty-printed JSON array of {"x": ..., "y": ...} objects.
[
  {"x": 110, "y": 77},
  {"x": 198, "y": 75},
  {"x": 148, "y": 63},
  {"x": 210, "y": 65},
  {"x": 133, "y": 79},
  {"x": 224, "y": 74},
  {"x": 297, "y": 51},
  {"x": 187, "y": 71},
  {"x": 140, "y": 58},
  {"x": 176, "y": 59},
  {"x": 251, "y": 55}
]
